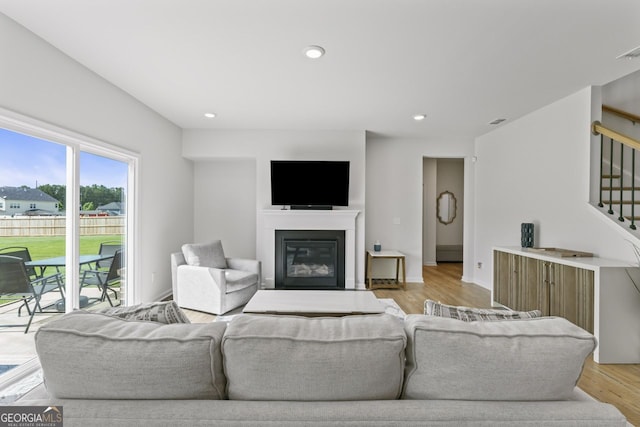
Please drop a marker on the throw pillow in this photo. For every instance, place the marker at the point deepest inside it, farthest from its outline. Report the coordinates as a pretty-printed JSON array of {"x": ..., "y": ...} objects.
[
  {"x": 205, "y": 254},
  {"x": 161, "y": 312},
  {"x": 468, "y": 314}
]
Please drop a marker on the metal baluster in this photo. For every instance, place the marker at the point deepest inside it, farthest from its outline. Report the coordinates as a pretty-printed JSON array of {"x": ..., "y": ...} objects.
[
  {"x": 621, "y": 218},
  {"x": 610, "y": 211},
  {"x": 633, "y": 189},
  {"x": 601, "y": 161}
]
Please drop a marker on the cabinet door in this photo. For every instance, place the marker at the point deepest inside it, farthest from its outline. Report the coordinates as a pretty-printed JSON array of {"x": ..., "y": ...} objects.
[
  {"x": 504, "y": 278},
  {"x": 571, "y": 295},
  {"x": 533, "y": 285},
  {"x": 501, "y": 276}
]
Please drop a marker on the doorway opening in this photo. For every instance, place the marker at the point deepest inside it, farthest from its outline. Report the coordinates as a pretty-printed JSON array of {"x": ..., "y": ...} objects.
[{"x": 442, "y": 210}]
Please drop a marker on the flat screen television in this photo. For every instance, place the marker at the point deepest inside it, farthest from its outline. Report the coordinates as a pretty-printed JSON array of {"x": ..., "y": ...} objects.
[{"x": 309, "y": 184}]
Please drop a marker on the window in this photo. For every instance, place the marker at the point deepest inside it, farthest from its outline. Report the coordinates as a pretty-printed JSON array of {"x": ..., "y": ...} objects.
[
  {"x": 74, "y": 170},
  {"x": 14, "y": 206}
]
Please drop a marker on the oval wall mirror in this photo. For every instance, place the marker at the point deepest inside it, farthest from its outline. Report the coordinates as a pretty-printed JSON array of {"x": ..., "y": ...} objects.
[{"x": 446, "y": 207}]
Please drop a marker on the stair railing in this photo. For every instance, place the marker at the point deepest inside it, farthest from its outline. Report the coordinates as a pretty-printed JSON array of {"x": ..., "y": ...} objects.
[{"x": 623, "y": 140}]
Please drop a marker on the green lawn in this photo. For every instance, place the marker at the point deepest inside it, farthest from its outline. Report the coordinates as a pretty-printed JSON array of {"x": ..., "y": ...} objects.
[{"x": 48, "y": 247}]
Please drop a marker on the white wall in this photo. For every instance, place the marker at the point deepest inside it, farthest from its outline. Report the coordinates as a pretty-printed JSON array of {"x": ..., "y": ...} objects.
[
  {"x": 394, "y": 196},
  {"x": 264, "y": 146},
  {"x": 225, "y": 205},
  {"x": 624, "y": 94},
  {"x": 536, "y": 169},
  {"x": 41, "y": 82}
]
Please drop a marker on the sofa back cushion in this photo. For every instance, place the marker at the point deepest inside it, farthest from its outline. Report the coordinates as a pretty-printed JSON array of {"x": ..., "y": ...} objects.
[
  {"x": 94, "y": 356},
  {"x": 305, "y": 359},
  {"x": 530, "y": 359}
]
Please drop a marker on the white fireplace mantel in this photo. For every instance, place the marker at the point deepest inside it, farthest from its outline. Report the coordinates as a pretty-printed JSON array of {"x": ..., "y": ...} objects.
[{"x": 273, "y": 220}]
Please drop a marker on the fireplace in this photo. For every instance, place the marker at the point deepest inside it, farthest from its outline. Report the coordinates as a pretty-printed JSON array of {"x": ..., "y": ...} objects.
[
  {"x": 272, "y": 220},
  {"x": 310, "y": 259}
]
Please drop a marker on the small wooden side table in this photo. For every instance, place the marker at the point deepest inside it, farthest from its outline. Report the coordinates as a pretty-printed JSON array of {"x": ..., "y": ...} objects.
[{"x": 385, "y": 283}]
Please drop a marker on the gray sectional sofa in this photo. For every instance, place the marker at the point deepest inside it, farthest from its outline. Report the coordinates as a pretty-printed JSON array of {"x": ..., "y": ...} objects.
[{"x": 373, "y": 370}]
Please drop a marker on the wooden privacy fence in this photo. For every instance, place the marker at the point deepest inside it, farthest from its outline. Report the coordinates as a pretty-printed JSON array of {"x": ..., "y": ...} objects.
[{"x": 29, "y": 226}]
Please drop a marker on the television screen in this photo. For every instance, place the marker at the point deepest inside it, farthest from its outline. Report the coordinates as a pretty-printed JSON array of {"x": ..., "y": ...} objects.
[{"x": 309, "y": 183}]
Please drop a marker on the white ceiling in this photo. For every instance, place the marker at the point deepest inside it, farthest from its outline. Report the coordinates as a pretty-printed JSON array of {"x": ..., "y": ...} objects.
[{"x": 462, "y": 62}]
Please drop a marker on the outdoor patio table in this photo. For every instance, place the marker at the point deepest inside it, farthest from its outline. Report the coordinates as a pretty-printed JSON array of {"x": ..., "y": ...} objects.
[{"x": 60, "y": 261}]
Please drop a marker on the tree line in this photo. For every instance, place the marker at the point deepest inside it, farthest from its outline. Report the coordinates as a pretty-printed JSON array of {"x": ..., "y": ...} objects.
[{"x": 91, "y": 196}]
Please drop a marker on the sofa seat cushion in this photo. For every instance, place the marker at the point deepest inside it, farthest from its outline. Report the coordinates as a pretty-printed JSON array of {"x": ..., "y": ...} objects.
[
  {"x": 532, "y": 359},
  {"x": 306, "y": 359},
  {"x": 94, "y": 356},
  {"x": 238, "y": 280},
  {"x": 205, "y": 254},
  {"x": 378, "y": 413},
  {"x": 470, "y": 314}
]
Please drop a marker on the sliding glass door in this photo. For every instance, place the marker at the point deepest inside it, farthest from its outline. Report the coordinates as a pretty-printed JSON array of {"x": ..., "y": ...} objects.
[
  {"x": 64, "y": 200},
  {"x": 103, "y": 242}
]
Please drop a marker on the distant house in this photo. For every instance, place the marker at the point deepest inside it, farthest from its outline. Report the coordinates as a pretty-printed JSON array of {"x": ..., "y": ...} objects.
[
  {"x": 25, "y": 201},
  {"x": 113, "y": 208}
]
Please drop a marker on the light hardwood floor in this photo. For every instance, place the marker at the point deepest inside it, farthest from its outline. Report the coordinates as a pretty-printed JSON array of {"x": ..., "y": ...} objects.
[{"x": 615, "y": 384}]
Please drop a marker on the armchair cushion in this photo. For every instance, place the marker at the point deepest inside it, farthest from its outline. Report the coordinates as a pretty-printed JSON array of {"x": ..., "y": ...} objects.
[
  {"x": 205, "y": 254},
  {"x": 237, "y": 279}
]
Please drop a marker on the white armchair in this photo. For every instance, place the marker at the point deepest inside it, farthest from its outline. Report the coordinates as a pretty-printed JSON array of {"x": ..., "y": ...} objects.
[{"x": 205, "y": 280}]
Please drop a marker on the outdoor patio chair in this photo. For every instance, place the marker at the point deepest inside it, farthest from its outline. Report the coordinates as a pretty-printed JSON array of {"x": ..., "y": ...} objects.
[
  {"x": 105, "y": 280},
  {"x": 22, "y": 253},
  {"x": 108, "y": 248},
  {"x": 15, "y": 282}
]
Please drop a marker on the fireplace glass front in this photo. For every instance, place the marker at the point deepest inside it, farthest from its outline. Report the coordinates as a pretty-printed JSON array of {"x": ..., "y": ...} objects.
[{"x": 309, "y": 259}]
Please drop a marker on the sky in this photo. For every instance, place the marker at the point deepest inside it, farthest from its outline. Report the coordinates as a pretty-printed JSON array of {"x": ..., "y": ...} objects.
[{"x": 25, "y": 160}]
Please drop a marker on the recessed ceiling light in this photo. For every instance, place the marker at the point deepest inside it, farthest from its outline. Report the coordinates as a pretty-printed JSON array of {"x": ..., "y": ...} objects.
[
  {"x": 209, "y": 115},
  {"x": 419, "y": 117},
  {"x": 313, "y": 52},
  {"x": 496, "y": 121},
  {"x": 632, "y": 54}
]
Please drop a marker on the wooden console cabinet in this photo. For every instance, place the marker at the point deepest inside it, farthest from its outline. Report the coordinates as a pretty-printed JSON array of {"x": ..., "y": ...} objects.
[
  {"x": 595, "y": 294},
  {"x": 523, "y": 283}
]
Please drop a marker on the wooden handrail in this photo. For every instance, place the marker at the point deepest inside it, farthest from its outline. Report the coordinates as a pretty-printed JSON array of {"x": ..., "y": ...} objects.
[
  {"x": 598, "y": 129},
  {"x": 621, "y": 113}
]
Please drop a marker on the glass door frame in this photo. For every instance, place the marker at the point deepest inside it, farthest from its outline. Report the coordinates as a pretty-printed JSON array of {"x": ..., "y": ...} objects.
[{"x": 75, "y": 143}]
